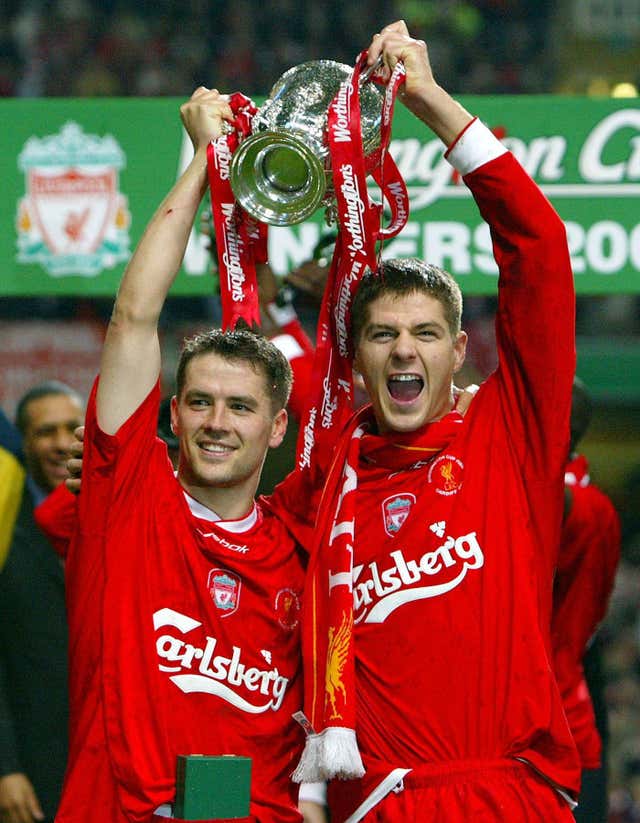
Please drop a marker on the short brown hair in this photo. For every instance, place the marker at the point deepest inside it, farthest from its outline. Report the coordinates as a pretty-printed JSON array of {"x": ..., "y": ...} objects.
[
  {"x": 404, "y": 276},
  {"x": 243, "y": 346}
]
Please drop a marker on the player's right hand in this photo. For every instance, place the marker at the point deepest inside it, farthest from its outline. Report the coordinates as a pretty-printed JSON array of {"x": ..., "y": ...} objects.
[{"x": 204, "y": 115}]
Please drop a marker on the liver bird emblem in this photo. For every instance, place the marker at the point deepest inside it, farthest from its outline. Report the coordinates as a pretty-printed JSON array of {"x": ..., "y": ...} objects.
[
  {"x": 337, "y": 653},
  {"x": 451, "y": 483}
]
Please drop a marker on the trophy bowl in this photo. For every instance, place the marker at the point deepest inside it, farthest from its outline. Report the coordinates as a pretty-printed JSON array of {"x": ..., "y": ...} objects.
[{"x": 281, "y": 173}]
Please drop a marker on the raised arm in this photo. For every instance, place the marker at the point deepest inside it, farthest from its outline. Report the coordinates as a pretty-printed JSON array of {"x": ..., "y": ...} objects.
[
  {"x": 131, "y": 355},
  {"x": 420, "y": 93},
  {"x": 536, "y": 300}
]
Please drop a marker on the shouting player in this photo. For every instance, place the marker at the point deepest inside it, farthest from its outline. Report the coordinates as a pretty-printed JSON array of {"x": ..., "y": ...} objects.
[{"x": 431, "y": 584}]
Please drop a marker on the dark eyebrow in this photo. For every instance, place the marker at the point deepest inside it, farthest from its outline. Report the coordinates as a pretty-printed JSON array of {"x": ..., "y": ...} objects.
[
  {"x": 192, "y": 394},
  {"x": 47, "y": 428},
  {"x": 429, "y": 324},
  {"x": 247, "y": 400},
  {"x": 379, "y": 327}
]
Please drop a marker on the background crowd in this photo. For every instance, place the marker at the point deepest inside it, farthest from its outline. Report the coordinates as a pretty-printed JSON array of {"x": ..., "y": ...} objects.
[
  {"x": 77, "y": 48},
  {"x": 80, "y": 48}
]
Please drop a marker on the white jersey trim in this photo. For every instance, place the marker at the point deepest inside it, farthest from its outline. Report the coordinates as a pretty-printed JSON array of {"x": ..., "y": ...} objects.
[
  {"x": 234, "y": 526},
  {"x": 315, "y": 792},
  {"x": 475, "y": 147},
  {"x": 563, "y": 794},
  {"x": 383, "y": 788}
]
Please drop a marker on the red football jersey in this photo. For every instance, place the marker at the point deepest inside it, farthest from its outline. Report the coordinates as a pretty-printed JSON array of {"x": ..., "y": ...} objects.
[
  {"x": 184, "y": 636},
  {"x": 589, "y": 555},
  {"x": 454, "y": 559},
  {"x": 57, "y": 516}
]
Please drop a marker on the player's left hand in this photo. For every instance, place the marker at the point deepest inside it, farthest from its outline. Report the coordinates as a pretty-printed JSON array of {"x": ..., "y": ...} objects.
[
  {"x": 74, "y": 464},
  {"x": 465, "y": 397}
]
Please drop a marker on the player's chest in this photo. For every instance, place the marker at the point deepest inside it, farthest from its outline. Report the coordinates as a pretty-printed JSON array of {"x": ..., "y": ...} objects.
[
  {"x": 225, "y": 627},
  {"x": 416, "y": 540}
]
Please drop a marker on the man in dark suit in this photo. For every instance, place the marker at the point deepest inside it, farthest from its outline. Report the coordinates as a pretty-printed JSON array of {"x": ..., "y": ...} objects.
[
  {"x": 11, "y": 482},
  {"x": 33, "y": 630}
]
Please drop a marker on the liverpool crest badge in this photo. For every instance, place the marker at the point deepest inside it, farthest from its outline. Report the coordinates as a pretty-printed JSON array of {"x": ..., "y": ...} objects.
[
  {"x": 395, "y": 511},
  {"x": 73, "y": 219},
  {"x": 224, "y": 588}
]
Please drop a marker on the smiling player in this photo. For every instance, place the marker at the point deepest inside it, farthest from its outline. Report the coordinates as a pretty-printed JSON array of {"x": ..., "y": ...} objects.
[{"x": 183, "y": 592}]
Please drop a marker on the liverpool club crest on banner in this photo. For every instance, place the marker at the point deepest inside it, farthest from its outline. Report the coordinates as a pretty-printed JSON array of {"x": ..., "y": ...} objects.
[
  {"x": 395, "y": 511},
  {"x": 224, "y": 588},
  {"x": 73, "y": 218}
]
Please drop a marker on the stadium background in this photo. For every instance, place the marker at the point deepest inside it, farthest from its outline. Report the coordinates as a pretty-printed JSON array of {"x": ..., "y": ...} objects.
[{"x": 118, "y": 48}]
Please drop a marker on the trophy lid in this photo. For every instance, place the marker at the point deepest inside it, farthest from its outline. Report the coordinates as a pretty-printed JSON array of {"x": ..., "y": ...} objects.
[{"x": 299, "y": 100}]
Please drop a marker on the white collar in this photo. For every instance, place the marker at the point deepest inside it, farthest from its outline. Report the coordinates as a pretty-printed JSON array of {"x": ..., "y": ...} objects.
[{"x": 235, "y": 526}]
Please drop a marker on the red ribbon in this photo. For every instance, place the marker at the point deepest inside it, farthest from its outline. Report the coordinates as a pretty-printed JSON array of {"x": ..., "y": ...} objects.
[
  {"x": 241, "y": 241},
  {"x": 359, "y": 231}
]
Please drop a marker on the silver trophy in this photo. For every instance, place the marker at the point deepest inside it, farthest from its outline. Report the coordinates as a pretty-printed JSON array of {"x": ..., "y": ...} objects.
[{"x": 282, "y": 173}]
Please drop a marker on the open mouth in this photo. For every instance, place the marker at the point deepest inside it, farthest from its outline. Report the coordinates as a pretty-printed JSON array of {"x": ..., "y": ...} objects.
[{"x": 404, "y": 388}]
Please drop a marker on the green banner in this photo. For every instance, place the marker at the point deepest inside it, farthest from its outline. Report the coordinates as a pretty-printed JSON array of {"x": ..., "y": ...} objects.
[{"x": 82, "y": 178}]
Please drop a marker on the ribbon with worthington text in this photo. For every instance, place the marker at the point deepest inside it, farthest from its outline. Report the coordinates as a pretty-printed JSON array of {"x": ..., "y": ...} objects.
[
  {"x": 332, "y": 750},
  {"x": 359, "y": 231},
  {"x": 241, "y": 241}
]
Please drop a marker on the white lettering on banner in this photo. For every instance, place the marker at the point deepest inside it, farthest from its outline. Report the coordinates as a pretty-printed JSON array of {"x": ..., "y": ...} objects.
[
  {"x": 352, "y": 220},
  {"x": 345, "y": 386},
  {"x": 222, "y": 157},
  {"x": 591, "y": 164},
  {"x": 342, "y": 307},
  {"x": 605, "y": 248},
  {"x": 382, "y": 591},
  {"x": 389, "y": 97},
  {"x": 232, "y": 253},
  {"x": 422, "y": 163},
  {"x": 541, "y": 158},
  {"x": 341, "y": 133},
  {"x": 398, "y": 195},
  {"x": 329, "y": 404},
  {"x": 308, "y": 441},
  {"x": 608, "y": 164},
  {"x": 289, "y": 246},
  {"x": 214, "y": 674},
  {"x": 429, "y": 175}
]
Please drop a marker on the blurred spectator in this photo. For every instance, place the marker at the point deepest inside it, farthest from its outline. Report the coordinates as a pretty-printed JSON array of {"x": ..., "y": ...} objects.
[
  {"x": 33, "y": 628},
  {"x": 11, "y": 483},
  {"x": 585, "y": 573}
]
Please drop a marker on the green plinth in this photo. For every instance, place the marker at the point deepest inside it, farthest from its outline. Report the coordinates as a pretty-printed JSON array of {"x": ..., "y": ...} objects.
[{"x": 209, "y": 788}]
